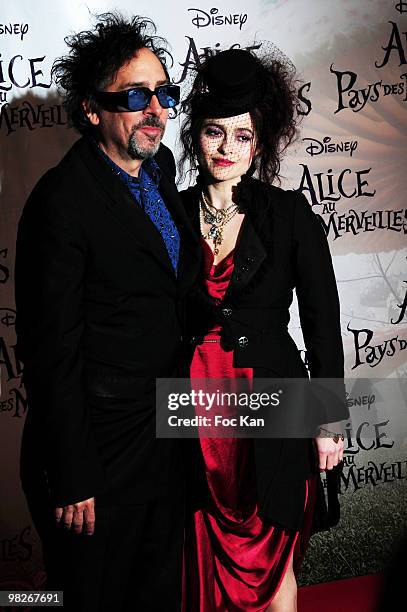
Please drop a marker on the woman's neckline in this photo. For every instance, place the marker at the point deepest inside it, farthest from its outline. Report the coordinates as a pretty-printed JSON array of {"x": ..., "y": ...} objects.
[{"x": 213, "y": 255}]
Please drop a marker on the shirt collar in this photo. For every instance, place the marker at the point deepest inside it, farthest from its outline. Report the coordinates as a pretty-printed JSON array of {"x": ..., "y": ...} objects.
[{"x": 148, "y": 166}]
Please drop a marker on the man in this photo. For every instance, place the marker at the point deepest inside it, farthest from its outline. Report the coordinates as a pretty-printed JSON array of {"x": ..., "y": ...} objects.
[{"x": 105, "y": 256}]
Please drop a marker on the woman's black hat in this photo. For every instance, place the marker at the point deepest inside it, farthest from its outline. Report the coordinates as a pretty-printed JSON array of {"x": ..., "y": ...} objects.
[{"x": 231, "y": 84}]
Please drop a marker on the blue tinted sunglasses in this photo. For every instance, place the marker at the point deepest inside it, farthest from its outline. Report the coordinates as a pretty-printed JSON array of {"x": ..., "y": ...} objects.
[{"x": 138, "y": 98}]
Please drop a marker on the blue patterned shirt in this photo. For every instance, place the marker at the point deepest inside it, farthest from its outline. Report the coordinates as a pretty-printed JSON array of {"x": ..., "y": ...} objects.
[{"x": 144, "y": 191}]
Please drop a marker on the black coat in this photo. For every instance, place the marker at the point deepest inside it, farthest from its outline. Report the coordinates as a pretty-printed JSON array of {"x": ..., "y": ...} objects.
[
  {"x": 100, "y": 314},
  {"x": 281, "y": 246}
]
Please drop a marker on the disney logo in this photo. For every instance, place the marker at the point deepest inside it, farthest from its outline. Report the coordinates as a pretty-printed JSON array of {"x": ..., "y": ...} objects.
[
  {"x": 18, "y": 29},
  {"x": 203, "y": 19},
  {"x": 316, "y": 147}
]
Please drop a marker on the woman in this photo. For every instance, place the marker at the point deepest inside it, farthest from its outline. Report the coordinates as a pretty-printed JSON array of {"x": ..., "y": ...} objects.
[{"x": 246, "y": 536}]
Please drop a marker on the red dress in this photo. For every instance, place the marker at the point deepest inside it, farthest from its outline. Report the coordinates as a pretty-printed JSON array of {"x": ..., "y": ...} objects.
[{"x": 234, "y": 561}]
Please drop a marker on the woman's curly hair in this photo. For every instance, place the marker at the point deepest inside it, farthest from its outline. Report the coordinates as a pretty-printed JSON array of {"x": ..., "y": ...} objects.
[
  {"x": 275, "y": 117},
  {"x": 95, "y": 56}
]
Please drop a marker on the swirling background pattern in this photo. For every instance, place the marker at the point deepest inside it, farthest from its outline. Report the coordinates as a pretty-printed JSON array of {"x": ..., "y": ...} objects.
[{"x": 350, "y": 163}]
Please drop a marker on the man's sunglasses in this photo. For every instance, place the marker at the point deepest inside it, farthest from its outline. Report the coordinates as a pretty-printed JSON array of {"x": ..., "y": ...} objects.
[{"x": 138, "y": 98}]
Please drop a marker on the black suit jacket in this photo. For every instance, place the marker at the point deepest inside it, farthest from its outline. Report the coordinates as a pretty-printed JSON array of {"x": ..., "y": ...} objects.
[
  {"x": 100, "y": 314},
  {"x": 281, "y": 246}
]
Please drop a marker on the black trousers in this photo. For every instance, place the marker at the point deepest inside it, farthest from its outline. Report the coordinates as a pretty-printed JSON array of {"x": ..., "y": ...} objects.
[{"x": 132, "y": 562}]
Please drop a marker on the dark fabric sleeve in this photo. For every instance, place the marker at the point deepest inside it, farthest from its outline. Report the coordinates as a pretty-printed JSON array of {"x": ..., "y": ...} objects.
[
  {"x": 50, "y": 268},
  {"x": 318, "y": 305}
]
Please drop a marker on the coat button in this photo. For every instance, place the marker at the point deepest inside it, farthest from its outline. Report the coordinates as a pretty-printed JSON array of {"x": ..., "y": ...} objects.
[
  {"x": 243, "y": 341},
  {"x": 226, "y": 312}
]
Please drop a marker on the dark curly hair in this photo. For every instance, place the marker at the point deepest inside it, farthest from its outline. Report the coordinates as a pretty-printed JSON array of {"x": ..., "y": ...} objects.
[
  {"x": 95, "y": 56},
  {"x": 275, "y": 117}
]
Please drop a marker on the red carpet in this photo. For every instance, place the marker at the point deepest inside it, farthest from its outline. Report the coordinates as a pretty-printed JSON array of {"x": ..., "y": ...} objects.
[{"x": 359, "y": 594}]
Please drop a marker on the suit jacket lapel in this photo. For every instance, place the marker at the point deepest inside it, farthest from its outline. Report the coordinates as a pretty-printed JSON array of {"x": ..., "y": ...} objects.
[
  {"x": 249, "y": 255},
  {"x": 251, "y": 248},
  {"x": 131, "y": 216},
  {"x": 190, "y": 253}
]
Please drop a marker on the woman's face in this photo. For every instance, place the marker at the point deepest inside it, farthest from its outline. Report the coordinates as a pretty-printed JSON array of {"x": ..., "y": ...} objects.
[{"x": 226, "y": 147}]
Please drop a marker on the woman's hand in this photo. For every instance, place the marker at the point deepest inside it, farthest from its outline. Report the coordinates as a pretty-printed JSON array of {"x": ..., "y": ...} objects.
[{"x": 330, "y": 453}]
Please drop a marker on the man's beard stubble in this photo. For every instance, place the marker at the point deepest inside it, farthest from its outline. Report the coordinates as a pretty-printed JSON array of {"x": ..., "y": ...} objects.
[{"x": 134, "y": 149}]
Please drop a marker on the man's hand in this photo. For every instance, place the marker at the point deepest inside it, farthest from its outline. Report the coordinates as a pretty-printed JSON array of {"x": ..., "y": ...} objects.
[
  {"x": 330, "y": 453},
  {"x": 79, "y": 516}
]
